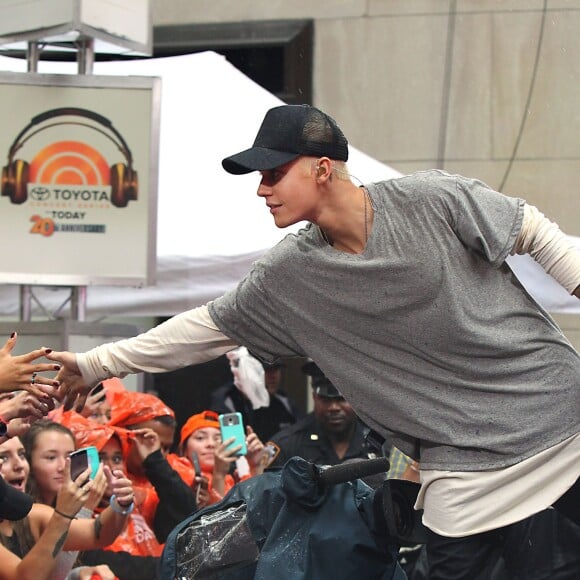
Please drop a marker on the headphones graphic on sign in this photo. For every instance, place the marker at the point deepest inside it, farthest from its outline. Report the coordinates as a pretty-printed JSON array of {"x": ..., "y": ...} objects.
[{"x": 123, "y": 178}]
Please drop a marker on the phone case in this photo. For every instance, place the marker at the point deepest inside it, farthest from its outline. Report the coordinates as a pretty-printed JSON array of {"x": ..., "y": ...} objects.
[
  {"x": 232, "y": 425},
  {"x": 94, "y": 461},
  {"x": 196, "y": 465},
  {"x": 81, "y": 459}
]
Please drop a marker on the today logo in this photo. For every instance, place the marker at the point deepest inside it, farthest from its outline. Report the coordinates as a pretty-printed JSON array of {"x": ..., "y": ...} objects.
[{"x": 68, "y": 170}]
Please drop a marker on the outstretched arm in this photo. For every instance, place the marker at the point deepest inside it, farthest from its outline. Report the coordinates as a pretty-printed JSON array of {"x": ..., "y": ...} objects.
[
  {"x": 543, "y": 240},
  {"x": 186, "y": 339}
]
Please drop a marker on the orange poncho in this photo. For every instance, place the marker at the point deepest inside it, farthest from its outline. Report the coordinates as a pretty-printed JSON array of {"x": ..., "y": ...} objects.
[
  {"x": 137, "y": 537},
  {"x": 130, "y": 408}
]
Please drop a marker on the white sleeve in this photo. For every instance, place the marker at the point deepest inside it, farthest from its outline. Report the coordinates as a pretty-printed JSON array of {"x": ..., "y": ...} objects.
[
  {"x": 186, "y": 339},
  {"x": 550, "y": 247}
]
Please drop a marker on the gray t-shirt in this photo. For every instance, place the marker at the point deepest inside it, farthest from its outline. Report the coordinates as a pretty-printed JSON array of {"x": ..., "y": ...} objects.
[{"x": 427, "y": 333}]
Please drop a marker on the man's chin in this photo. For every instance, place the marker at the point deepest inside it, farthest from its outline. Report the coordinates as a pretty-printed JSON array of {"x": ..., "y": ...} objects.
[
  {"x": 337, "y": 428},
  {"x": 283, "y": 222}
]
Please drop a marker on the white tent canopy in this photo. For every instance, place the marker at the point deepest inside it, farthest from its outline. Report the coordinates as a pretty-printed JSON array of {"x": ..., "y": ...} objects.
[{"x": 211, "y": 225}]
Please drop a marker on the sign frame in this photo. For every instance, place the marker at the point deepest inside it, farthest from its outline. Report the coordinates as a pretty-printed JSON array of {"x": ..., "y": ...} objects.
[{"x": 126, "y": 110}]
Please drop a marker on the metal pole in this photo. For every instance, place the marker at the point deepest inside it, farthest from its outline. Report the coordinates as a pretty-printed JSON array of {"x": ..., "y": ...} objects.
[
  {"x": 86, "y": 55},
  {"x": 25, "y": 303},
  {"x": 78, "y": 303},
  {"x": 32, "y": 55},
  {"x": 85, "y": 61}
]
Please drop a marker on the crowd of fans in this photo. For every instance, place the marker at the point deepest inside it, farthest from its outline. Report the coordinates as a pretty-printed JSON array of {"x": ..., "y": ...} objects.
[
  {"x": 152, "y": 475},
  {"x": 113, "y": 524}
]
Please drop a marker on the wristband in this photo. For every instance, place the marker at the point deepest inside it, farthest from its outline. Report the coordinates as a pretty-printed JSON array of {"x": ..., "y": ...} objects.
[
  {"x": 65, "y": 515},
  {"x": 119, "y": 509}
]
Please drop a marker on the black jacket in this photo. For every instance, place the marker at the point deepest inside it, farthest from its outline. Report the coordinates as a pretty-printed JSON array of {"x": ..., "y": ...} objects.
[
  {"x": 176, "y": 498},
  {"x": 306, "y": 439}
]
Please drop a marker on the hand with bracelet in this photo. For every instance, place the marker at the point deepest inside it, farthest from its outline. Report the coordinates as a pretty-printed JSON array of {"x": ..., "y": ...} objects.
[{"x": 122, "y": 500}]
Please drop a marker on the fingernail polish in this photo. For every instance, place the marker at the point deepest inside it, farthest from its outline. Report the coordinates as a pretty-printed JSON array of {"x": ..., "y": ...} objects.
[
  {"x": 13, "y": 335},
  {"x": 48, "y": 350},
  {"x": 56, "y": 367}
]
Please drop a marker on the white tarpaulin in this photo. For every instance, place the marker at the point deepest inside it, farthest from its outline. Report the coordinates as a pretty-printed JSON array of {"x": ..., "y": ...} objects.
[{"x": 211, "y": 225}]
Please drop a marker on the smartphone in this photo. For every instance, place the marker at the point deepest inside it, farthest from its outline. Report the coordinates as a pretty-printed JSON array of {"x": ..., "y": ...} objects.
[
  {"x": 232, "y": 425},
  {"x": 196, "y": 465},
  {"x": 83, "y": 458}
]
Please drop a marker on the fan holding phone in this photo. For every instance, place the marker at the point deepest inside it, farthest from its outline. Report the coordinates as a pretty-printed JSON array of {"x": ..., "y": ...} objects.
[
  {"x": 82, "y": 459},
  {"x": 215, "y": 443},
  {"x": 232, "y": 426}
]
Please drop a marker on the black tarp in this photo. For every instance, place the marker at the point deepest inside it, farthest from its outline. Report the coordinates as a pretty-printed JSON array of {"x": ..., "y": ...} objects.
[{"x": 283, "y": 525}]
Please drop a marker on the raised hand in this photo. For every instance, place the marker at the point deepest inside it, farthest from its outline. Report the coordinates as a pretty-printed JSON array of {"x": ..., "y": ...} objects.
[
  {"x": 94, "y": 400},
  {"x": 255, "y": 454},
  {"x": 21, "y": 372},
  {"x": 22, "y": 409},
  {"x": 25, "y": 405},
  {"x": 73, "y": 390},
  {"x": 146, "y": 441},
  {"x": 224, "y": 456},
  {"x": 120, "y": 486},
  {"x": 202, "y": 496},
  {"x": 73, "y": 495},
  {"x": 97, "y": 489}
]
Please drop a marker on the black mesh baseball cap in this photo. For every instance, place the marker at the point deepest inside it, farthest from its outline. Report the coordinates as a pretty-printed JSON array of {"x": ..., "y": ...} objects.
[
  {"x": 287, "y": 132},
  {"x": 14, "y": 505}
]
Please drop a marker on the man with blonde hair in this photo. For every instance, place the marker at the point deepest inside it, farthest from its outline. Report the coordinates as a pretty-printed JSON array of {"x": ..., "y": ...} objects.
[{"x": 400, "y": 292}]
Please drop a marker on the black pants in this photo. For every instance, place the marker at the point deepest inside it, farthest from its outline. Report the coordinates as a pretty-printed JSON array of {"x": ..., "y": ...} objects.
[{"x": 545, "y": 546}]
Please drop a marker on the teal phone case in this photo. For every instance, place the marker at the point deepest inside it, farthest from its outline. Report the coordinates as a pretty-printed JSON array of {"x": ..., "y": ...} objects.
[
  {"x": 91, "y": 459},
  {"x": 94, "y": 461},
  {"x": 232, "y": 425}
]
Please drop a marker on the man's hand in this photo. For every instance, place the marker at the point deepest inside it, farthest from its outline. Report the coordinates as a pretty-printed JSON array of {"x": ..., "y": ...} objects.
[
  {"x": 21, "y": 372},
  {"x": 73, "y": 390}
]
